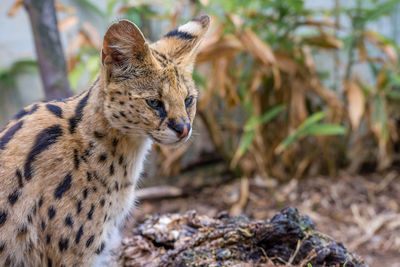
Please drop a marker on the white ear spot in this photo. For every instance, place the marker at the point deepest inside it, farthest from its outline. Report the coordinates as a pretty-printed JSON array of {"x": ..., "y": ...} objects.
[{"x": 192, "y": 27}]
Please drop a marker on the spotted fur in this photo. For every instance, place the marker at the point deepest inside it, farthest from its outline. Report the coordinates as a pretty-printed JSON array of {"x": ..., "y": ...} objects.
[{"x": 68, "y": 169}]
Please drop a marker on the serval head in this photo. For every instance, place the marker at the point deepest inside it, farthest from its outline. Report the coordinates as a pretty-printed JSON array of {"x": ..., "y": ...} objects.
[{"x": 149, "y": 90}]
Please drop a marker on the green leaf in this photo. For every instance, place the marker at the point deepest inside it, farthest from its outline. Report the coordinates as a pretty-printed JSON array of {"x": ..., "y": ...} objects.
[
  {"x": 76, "y": 74},
  {"x": 245, "y": 142},
  {"x": 91, "y": 7},
  {"x": 314, "y": 118},
  {"x": 325, "y": 129},
  {"x": 381, "y": 9},
  {"x": 288, "y": 141},
  {"x": 270, "y": 114},
  {"x": 394, "y": 94},
  {"x": 379, "y": 116},
  {"x": 311, "y": 127}
]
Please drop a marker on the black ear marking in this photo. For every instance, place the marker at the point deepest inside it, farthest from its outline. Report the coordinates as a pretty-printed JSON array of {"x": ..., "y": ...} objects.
[{"x": 180, "y": 35}]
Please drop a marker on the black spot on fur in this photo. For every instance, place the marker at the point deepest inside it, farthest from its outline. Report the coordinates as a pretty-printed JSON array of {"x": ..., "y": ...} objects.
[
  {"x": 79, "y": 206},
  {"x": 100, "y": 249},
  {"x": 56, "y": 110},
  {"x": 29, "y": 218},
  {"x": 116, "y": 186},
  {"x": 115, "y": 142},
  {"x": 121, "y": 103},
  {"x": 48, "y": 239},
  {"x": 30, "y": 246},
  {"x": 90, "y": 241},
  {"x": 125, "y": 171},
  {"x": 64, "y": 186},
  {"x": 51, "y": 212},
  {"x": 122, "y": 114},
  {"x": 43, "y": 225},
  {"x": 2, "y": 247},
  {"x": 91, "y": 211},
  {"x": 88, "y": 176},
  {"x": 13, "y": 197},
  {"x": 103, "y": 157},
  {"x": 24, "y": 112},
  {"x": 18, "y": 173},
  {"x": 49, "y": 262},
  {"x": 69, "y": 221},
  {"x": 102, "y": 202},
  {"x": 63, "y": 244},
  {"x": 34, "y": 209},
  {"x": 180, "y": 35},
  {"x": 121, "y": 160},
  {"x": 44, "y": 139},
  {"x": 23, "y": 229},
  {"x": 85, "y": 193},
  {"x": 40, "y": 202},
  {"x": 76, "y": 159},
  {"x": 79, "y": 235},
  {"x": 9, "y": 134},
  {"x": 8, "y": 261},
  {"x": 74, "y": 121},
  {"x": 94, "y": 188},
  {"x": 98, "y": 135},
  {"x": 112, "y": 169},
  {"x": 116, "y": 116},
  {"x": 3, "y": 217}
]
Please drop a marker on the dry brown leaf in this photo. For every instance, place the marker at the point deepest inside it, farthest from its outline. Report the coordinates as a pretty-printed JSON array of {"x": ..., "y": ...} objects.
[
  {"x": 14, "y": 8},
  {"x": 257, "y": 47},
  {"x": 205, "y": 2},
  {"x": 220, "y": 74},
  {"x": 256, "y": 81},
  {"x": 319, "y": 24},
  {"x": 214, "y": 49},
  {"x": 237, "y": 20},
  {"x": 93, "y": 35},
  {"x": 67, "y": 23},
  {"x": 390, "y": 52},
  {"x": 362, "y": 52},
  {"x": 297, "y": 111},
  {"x": 286, "y": 63},
  {"x": 356, "y": 103},
  {"x": 277, "y": 77},
  {"x": 324, "y": 41},
  {"x": 63, "y": 8},
  {"x": 237, "y": 208}
]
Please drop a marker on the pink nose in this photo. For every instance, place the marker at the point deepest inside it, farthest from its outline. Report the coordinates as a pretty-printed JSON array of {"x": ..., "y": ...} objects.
[
  {"x": 182, "y": 129},
  {"x": 184, "y": 132}
]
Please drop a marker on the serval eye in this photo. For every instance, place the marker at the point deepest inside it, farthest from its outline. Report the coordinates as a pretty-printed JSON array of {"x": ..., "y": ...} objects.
[
  {"x": 188, "y": 101},
  {"x": 154, "y": 103}
]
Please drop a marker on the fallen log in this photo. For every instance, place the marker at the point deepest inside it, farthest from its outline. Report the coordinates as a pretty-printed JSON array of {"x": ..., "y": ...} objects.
[{"x": 288, "y": 239}]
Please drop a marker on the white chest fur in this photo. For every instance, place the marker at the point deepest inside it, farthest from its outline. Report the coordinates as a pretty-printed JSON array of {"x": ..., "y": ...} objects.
[{"x": 124, "y": 201}]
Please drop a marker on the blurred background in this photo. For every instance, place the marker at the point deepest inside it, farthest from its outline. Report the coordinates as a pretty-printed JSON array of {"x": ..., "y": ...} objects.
[{"x": 299, "y": 105}]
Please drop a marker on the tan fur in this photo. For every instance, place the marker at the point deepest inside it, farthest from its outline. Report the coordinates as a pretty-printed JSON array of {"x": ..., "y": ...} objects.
[{"x": 73, "y": 164}]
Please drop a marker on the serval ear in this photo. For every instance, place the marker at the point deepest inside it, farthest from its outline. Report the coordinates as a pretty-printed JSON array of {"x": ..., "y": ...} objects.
[
  {"x": 125, "y": 51},
  {"x": 181, "y": 45}
]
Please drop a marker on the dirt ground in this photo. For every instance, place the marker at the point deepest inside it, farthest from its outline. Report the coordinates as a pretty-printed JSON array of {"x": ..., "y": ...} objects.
[{"x": 363, "y": 212}]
